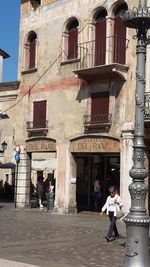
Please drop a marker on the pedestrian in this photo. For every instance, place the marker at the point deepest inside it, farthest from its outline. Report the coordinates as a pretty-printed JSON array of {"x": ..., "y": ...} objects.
[
  {"x": 50, "y": 197},
  {"x": 97, "y": 194},
  {"x": 40, "y": 190},
  {"x": 112, "y": 206}
]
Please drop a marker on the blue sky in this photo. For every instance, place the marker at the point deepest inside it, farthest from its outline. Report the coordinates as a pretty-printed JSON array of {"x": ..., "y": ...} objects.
[{"x": 9, "y": 36}]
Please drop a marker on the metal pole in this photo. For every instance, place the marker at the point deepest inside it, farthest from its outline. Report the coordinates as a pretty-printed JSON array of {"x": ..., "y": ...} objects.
[
  {"x": 137, "y": 221},
  {"x": 16, "y": 184}
]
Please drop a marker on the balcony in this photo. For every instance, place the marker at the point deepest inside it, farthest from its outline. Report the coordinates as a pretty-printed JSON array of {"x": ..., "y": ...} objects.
[
  {"x": 37, "y": 128},
  {"x": 102, "y": 57},
  {"x": 97, "y": 121}
]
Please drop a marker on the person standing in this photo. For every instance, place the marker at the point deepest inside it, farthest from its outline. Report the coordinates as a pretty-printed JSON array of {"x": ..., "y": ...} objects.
[
  {"x": 97, "y": 194},
  {"x": 112, "y": 206},
  {"x": 40, "y": 190}
]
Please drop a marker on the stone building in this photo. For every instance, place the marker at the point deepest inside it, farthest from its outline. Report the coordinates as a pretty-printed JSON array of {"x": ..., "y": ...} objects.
[
  {"x": 8, "y": 96},
  {"x": 75, "y": 104}
]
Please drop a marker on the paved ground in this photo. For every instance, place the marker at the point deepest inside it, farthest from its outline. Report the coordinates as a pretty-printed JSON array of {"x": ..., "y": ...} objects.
[{"x": 36, "y": 237}]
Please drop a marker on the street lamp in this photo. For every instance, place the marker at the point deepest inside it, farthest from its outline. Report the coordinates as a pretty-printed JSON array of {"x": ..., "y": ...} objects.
[{"x": 137, "y": 221}]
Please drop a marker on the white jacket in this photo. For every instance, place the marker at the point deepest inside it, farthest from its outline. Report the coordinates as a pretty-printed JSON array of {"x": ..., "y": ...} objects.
[{"x": 116, "y": 206}]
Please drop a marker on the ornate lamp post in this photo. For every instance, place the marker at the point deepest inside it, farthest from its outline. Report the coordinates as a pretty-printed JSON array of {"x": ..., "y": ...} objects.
[{"x": 137, "y": 221}]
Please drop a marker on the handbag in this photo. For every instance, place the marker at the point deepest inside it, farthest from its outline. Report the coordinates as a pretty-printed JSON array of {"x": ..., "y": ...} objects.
[{"x": 119, "y": 211}]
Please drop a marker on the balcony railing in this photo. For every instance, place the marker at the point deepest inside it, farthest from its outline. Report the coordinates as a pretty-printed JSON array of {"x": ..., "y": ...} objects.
[
  {"x": 94, "y": 53},
  {"x": 37, "y": 124},
  {"x": 147, "y": 106},
  {"x": 97, "y": 120},
  {"x": 35, "y": 128}
]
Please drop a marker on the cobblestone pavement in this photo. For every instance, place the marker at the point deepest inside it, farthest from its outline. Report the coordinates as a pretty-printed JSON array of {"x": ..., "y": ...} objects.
[{"x": 36, "y": 237}]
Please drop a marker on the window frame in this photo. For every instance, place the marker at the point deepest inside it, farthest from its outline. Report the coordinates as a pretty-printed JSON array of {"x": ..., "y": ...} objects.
[{"x": 27, "y": 66}]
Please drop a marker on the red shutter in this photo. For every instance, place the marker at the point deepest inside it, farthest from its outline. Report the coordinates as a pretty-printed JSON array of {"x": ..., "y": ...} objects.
[
  {"x": 119, "y": 41},
  {"x": 39, "y": 114},
  {"x": 100, "y": 107},
  {"x": 100, "y": 43},
  {"x": 72, "y": 43},
  {"x": 32, "y": 54}
]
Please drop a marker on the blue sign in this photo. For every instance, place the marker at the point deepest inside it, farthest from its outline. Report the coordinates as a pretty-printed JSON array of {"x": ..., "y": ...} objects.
[{"x": 17, "y": 157}]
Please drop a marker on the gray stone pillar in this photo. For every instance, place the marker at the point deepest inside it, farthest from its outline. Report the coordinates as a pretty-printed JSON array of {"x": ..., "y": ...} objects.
[
  {"x": 125, "y": 165},
  {"x": 22, "y": 184}
]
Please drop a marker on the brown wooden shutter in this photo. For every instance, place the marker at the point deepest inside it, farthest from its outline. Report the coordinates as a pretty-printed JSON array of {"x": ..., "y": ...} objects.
[
  {"x": 72, "y": 43},
  {"x": 32, "y": 54},
  {"x": 100, "y": 42},
  {"x": 119, "y": 41},
  {"x": 100, "y": 107},
  {"x": 39, "y": 114}
]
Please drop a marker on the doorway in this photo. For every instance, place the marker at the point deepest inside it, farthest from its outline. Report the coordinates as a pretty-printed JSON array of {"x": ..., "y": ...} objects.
[{"x": 91, "y": 166}]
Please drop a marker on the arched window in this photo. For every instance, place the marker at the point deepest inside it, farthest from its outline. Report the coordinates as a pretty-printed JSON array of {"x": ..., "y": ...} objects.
[
  {"x": 72, "y": 29},
  {"x": 30, "y": 51},
  {"x": 35, "y": 3},
  {"x": 100, "y": 37},
  {"x": 119, "y": 36}
]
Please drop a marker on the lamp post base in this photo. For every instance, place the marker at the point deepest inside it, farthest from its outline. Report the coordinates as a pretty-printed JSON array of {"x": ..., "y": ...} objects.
[{"x": 137, "y": 244}]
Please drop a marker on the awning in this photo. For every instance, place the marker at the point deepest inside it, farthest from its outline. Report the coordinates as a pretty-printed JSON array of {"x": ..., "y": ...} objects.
[{"x": 8, "y": 165}]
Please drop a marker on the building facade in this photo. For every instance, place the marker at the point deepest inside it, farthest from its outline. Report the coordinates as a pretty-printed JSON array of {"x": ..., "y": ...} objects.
[{"x": 75, "y": 104}]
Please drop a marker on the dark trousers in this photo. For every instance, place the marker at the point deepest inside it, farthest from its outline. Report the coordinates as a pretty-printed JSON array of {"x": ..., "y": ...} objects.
[{"x": 112, "y": 227}]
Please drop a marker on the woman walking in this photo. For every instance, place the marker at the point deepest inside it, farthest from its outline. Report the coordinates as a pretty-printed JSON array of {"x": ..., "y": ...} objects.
[{"x": 112, "y": 206}]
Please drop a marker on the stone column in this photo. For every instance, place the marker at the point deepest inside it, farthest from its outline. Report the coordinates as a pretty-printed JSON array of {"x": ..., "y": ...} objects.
[
  {"x": 125, "y": 165},
  {"x": 91, "y": 46},
  {"x": 109, "y": 40},
  {"x": 65, "y": 193},
  {"x": 22, "y": 183},
  {"x": 72, "y": 180},
  {"x": 10, "y": 177}
]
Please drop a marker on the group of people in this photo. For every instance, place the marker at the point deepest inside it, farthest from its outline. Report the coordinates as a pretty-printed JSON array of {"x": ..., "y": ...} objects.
[
  {"x": 111, "y": 203},
  {"x": 43, "y": 188},
  {"x": 6, "y": 191}
]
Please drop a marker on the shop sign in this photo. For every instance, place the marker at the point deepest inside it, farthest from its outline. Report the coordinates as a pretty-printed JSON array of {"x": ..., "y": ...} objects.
[
  {"x": 96, "y": 145},
  {"x": 40, "y": 146}
]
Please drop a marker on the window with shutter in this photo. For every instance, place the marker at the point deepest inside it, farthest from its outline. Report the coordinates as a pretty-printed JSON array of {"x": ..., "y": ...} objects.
[
  {"x": 119, "y": 37},
  {"x": 100, "y": 38},
  {"x": 32, "y": 49},
  {"x": 39, "y": 114},
  {"x": 73, "y": 39},
  {"x": 100, "y": 107}
]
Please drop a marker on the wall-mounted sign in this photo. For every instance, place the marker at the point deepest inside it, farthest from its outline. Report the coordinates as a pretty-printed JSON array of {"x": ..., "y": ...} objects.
[
  {"x": 40, "y": 145},
  {"x": 95, "y": 145}
]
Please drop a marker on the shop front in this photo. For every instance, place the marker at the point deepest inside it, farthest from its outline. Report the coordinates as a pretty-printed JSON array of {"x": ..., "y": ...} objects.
[
  {"x": 95, "y": 158},
  {"x": 37, "y": 158}
]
